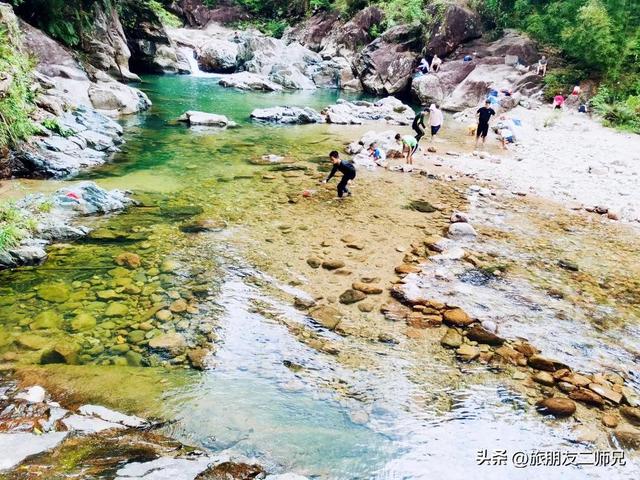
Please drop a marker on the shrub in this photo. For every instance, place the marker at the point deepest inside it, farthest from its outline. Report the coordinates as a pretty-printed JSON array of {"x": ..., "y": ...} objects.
[
  {"x": 53, "y": 125},
  {"x": 16, "y": 102},
  {"x": 15, "y": 225}
]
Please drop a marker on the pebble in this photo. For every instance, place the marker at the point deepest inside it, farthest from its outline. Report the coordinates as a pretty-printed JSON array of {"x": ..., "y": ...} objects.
[
  {"x": 451, "y": 339},
  {"x": 557, "y": 406},
  {"x": 457, "y": 317},
  {"x": 332, "y": 264},
  {"x": 609, "y": 420},
  {"x": 352, "y": 296}
]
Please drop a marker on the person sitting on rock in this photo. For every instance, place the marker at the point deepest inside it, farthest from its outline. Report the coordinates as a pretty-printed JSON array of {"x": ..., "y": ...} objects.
[
  {"x": 409, "y": 145},
  {"x": 348, "y": 170},
  {"x": 435, "y": 63},
  {"x": 542, "y": 66},
  {"x": 418, "y": 124},
  {"x": 424, "y": 66},
  {"x": 506, "y": 136}
]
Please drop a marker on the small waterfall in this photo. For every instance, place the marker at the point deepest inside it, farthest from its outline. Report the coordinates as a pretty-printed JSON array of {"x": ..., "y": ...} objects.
[{"x": 190, "y": 55}]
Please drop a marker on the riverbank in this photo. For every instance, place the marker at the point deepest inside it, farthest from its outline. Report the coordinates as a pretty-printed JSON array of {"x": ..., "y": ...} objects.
[{"x": 566, "y": 157}]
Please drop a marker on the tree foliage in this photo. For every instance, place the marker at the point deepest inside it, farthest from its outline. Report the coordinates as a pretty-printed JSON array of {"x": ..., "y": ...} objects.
[{"x": 599, "y": 38}]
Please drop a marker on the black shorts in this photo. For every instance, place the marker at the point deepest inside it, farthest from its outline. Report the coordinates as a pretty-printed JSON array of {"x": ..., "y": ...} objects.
[
  {"x": 435, "y": 129},
  {"x": 482, "y": 130}
]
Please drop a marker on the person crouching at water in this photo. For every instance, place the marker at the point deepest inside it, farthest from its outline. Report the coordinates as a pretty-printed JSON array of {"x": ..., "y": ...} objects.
[
  {"x": 348, "y": 170},
  {"x": 409, "y": 145}
]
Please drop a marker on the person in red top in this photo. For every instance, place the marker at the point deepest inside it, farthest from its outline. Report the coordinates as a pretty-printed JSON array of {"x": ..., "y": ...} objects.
[{"x": 558, "y": 101}]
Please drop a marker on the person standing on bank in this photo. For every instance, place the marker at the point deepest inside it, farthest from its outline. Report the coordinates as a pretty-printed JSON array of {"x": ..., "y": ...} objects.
[
  {"x": 418, "y": 124},
  {"x": 484, "y": 114},
  {"x": 435, "y": 119},
  {"x": 347, "y": 169}
]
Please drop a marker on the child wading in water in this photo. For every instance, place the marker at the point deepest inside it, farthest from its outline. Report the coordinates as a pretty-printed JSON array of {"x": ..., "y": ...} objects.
[{"x": 348, "y": 173}]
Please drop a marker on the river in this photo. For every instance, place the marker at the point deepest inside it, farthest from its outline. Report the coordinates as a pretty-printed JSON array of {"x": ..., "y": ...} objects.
[{"x": 375, "y": 410}]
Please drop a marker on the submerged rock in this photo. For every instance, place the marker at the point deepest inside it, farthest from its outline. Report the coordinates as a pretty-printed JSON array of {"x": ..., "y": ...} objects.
[
  {"x": 54, "y": 292},
  {"x": 326, "y": 316},
  {"x": 171, "y": 342},
  {"x": 232, "y": 471},
  {"x": 557, "y": 406}
]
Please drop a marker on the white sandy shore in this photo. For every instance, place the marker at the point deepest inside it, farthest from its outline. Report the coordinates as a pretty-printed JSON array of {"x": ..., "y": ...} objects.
[{"x": 576, "y": 162}]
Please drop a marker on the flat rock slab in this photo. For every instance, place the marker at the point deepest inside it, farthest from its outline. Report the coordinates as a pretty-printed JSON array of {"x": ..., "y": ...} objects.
[
  {"x": 109, "y": 415},
  {"x": 165, "y": 468},
  {"x": 15, "y": 447},
  {"x": 88, "y": 424}
]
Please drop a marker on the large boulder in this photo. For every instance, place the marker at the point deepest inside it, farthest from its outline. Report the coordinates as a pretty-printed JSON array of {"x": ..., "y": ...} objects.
[
  {"x": 474, "y": 88},
  {"x": 287, "y": 115},
  {"x": 325, "y": 33},
  {"x": 314, "y": 32},
  {"x": 389, "y": 109},
  {"x": 249, "y": 81},
  {"x": 334, "y": 73},
  {"x": 290, "y": 77},
  {"x": 511, "y": 43},
  {"x": 106, "y": 45},
  {"x": 114, "y": 98},
  {"x": 386, "y": 65},
  {"x": 198, "y": 13},
  {"x": 151, "y": 48},
  {"x": 218, "y": 55},
  {"x": 435, "y": 87},
  {"x": 258, "y": 54},
  {"x": 456, "y": 24}
]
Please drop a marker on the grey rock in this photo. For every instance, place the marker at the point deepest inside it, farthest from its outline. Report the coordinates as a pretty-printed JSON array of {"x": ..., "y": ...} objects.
[{"x": 287, "y": 115}]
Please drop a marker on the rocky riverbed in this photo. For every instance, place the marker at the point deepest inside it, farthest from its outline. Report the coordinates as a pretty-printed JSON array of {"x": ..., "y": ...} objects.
[{"x": 238, "y": 279}]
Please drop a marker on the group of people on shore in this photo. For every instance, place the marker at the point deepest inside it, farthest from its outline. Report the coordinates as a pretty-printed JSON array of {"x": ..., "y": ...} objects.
[{"x": 410, "y": 143}]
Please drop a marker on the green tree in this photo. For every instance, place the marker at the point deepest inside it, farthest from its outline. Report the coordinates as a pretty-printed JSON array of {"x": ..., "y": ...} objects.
[{"x": 591, "y": 41}]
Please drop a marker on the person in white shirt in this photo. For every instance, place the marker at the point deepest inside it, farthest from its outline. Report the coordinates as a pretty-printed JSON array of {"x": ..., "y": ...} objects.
[
  {"x": 435, "y": 119},
  {"x": 424, "y": 66},
  {"x": 435, "y": 63}
]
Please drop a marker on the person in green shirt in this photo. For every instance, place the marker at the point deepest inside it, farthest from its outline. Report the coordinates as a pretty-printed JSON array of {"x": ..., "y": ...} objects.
[{"x": 409, "y": 145}]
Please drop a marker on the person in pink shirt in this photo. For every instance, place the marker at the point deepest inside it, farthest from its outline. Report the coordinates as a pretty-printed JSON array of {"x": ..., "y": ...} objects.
[{"x": 558, "y": 101}]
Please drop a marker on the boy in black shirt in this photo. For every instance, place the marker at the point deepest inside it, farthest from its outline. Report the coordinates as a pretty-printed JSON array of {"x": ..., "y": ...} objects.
[
  {"x": 418, "y": 124},
  {"x": 348, "y": 173},
  {"x": 484, "y": 115}
]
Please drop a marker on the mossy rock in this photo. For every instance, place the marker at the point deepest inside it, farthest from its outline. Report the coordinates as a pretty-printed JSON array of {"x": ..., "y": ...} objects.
[
  {"x": 53, "y": 292},
  {"x": 47, "y": 320}
]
